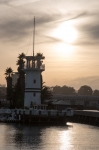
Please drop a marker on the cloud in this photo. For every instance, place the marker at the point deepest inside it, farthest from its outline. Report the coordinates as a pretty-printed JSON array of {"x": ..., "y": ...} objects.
[
  {"x": 15, "y": 28},
  {"x": 84, "y": 41},
  {"x": 92, "y": 30},
  {"x": 92, "y": 81},
  {"x": 77, "y": 16},
  {"x": 89, "y": 34},
  {"x": 17, "y": 2},
  {"x": 49, "y": 39},
  {"x": 88, "y": 30},
  {"x": 18, "y": 27},
  {"x": 4, "y": 1}
]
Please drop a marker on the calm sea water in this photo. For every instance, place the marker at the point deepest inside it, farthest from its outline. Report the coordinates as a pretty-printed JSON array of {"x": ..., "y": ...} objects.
[{"x": 71, "y": 137}]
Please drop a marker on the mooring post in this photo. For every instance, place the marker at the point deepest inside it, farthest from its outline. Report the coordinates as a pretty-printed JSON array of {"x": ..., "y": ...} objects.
[
  {"x": 19, "y": 116},
  {"x": 30, "y": 114},
  {"x": 23, "y": 116}
]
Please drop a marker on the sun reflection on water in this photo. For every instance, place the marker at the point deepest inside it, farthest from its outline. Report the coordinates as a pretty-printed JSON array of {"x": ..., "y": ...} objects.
[{"x": 65, "y": 140}]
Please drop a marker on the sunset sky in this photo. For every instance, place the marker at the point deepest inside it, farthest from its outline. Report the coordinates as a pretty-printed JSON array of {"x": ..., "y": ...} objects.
[{"x": 67, "y": 33}]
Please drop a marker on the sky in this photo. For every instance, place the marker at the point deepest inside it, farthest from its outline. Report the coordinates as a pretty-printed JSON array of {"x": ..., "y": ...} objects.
[{"x": 66, "y": 32}]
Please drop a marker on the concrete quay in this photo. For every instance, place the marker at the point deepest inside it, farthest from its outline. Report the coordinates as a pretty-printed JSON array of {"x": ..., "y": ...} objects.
[
  {"x": 33, "y": 116},
  {"x": 86, "y": 117}
]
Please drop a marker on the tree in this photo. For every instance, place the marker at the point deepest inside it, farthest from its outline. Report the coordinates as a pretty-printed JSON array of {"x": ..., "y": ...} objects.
[
  {"x": 8, "y": 73},
  {"x": 85, "y": 90},
  {"x": 20, "y": 63},
  {"x": 57, "y": 90},
  {"x": 18, "y": 99},
  {"x": 39, "y": 54},
  {"x": 96, "y": 92},
  {"x": 45, "y": 93},
  {"x": 19, "y": 88},
  {"x": 65, "y": 90}
]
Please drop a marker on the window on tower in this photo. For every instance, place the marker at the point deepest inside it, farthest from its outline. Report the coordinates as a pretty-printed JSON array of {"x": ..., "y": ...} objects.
[
  {"x": 34, "y": 81},
  {"x": 34, "y": 94}
]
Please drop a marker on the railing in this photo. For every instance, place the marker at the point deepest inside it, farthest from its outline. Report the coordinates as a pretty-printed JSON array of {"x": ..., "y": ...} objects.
[
  {"x": 42, "y": 67},
  {"x": 37, "y": 112}
]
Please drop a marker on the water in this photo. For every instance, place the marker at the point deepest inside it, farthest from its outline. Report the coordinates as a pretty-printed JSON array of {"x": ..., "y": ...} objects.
[{"x": 71, "y": 137}]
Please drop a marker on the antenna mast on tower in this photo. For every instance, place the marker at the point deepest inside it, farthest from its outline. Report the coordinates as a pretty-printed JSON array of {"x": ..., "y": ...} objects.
[{"x": 34, "y": 36}]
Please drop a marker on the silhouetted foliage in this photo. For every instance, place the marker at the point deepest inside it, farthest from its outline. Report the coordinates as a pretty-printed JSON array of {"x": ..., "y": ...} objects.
[
  {"x": 57, "y": 90},
  {"x": 39, "y": 54},
  {"x": 8, "y": 73},
  {"x": 64, "y": 90},
  {"x": 85, "y": 90},
  {"x": 19, "y": 88},
  {"x": 18, "y": 98},
  {"x": 46, "y": 93},
  {"x": 96, "y": 92}
]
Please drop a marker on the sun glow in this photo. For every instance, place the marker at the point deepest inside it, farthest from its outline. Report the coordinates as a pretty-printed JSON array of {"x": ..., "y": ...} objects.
[
  {"x": 64, "y": 50},
  {"x": 65, "y": 32}
]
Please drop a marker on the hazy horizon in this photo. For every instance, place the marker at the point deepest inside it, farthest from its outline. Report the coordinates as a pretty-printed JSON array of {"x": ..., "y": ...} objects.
[{"x": 67, "y": 33}]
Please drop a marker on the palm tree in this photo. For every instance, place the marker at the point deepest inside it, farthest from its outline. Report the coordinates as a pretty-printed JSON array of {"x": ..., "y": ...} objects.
[
  {"x": 20, "y": 62},
  {"x": 21, "y": 56},
  {"x": 20, "y": 86},
  {"x": 8, "y": 73},
  {"x": 39, "y": 54}
]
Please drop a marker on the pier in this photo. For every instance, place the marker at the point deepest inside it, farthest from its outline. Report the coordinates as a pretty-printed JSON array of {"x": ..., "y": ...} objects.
[
  {"x": 35, "y": 116},
  {"x": 86, "y": 117}
]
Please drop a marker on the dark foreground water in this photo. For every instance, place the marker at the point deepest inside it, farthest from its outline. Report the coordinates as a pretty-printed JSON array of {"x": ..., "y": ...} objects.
[{"x": 71, "y": 137}]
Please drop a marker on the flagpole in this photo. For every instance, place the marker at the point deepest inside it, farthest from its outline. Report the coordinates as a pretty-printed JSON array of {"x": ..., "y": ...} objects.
[{"x": 33, "y": 36}]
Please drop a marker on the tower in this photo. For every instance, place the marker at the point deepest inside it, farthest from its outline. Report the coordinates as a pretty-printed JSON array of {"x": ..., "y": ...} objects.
[{"x": 33, "y": 69}]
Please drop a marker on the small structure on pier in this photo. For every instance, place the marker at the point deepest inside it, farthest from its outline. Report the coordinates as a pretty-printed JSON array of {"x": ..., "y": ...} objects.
[{"x": 33, "y": 79}]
